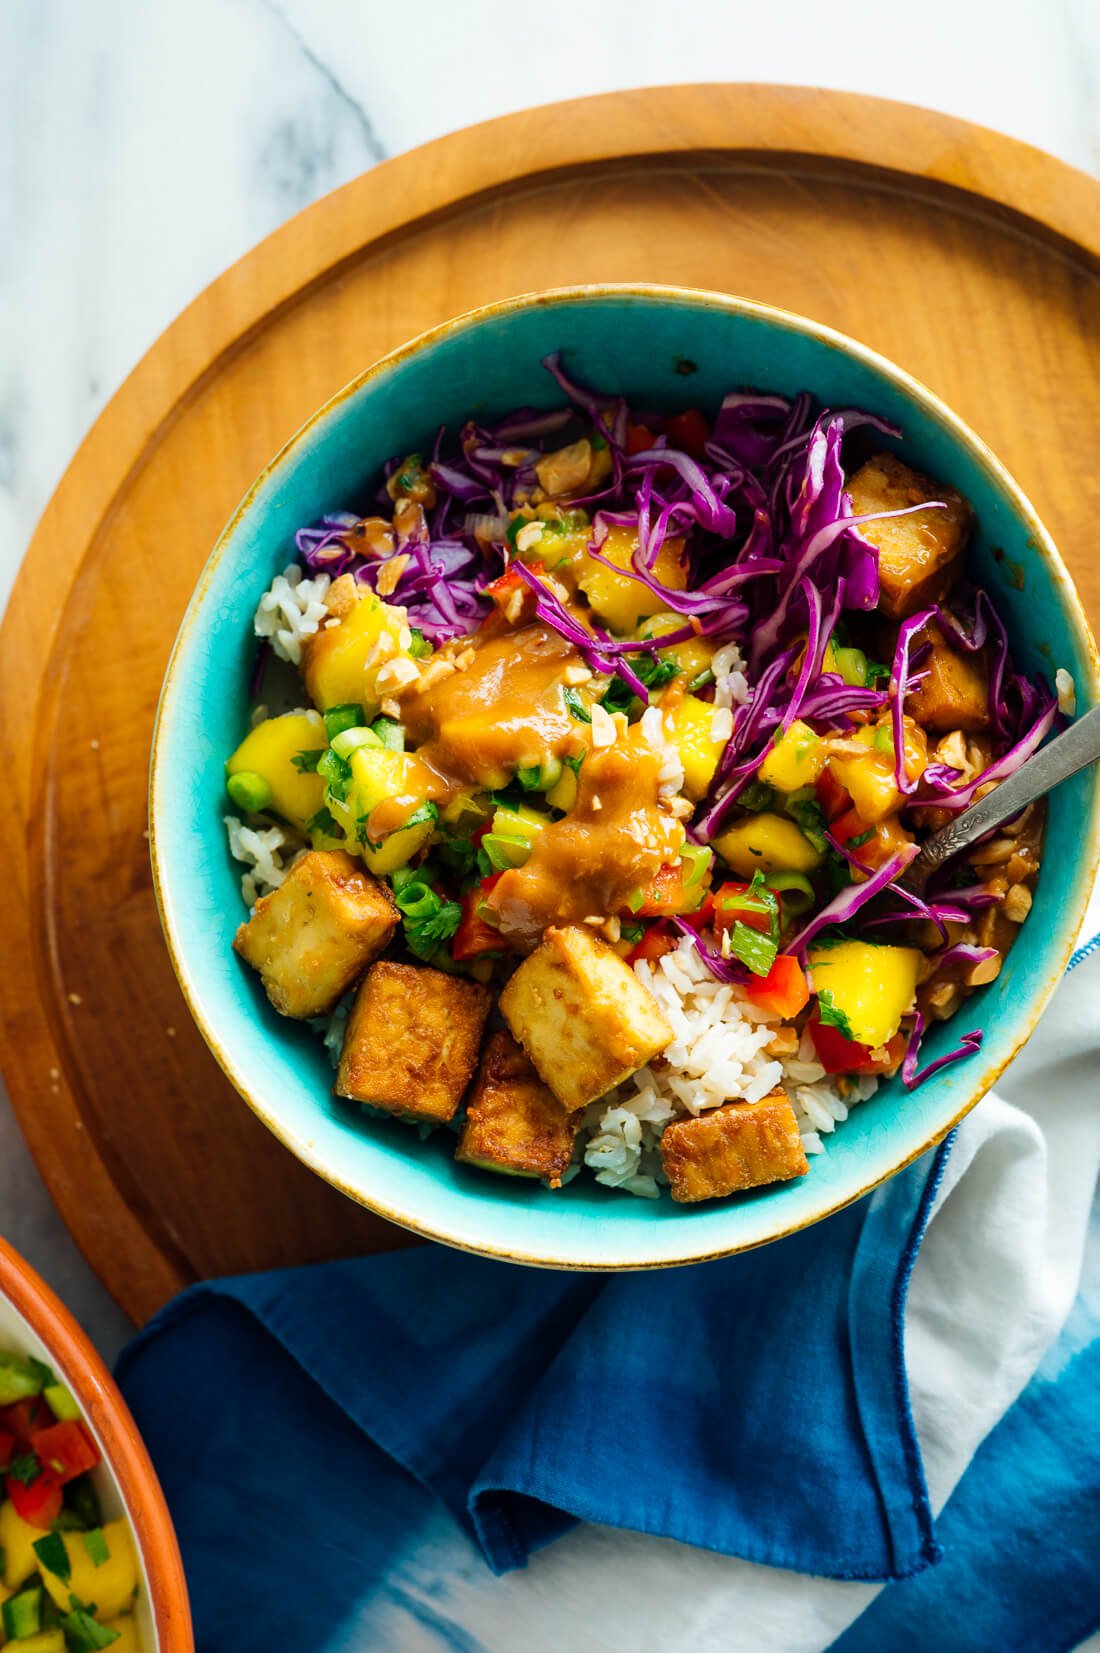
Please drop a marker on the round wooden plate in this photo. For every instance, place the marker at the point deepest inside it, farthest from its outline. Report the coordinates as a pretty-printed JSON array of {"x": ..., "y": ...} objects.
[{"x": 969, "y": 259}]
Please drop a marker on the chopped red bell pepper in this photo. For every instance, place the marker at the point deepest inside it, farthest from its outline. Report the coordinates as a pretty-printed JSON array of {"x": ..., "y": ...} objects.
[
  {"x": 838, "y": 1054},
  {"x": 658, "y": 940},
  {"x": 690, "y": 432},
  {"x": 65, "y": 1448},
  {"x": 638, "y": 439},
  {"x": 832, "y": 797},
  {"x": 38, "y": 1503},
  {"x": 723, "y": 916},
  {"x": 784, "y": 990},
  {"x": 871, "y": 845},
  {"x": 23, "y": 1417},
  {"x": 7, "y": 1449},
  {"x": 474, "y": 936},
  {"x": 665, "y": 894}
]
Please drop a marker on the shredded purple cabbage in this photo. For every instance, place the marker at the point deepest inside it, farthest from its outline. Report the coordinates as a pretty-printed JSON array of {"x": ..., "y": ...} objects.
[{"x": 969, "y": 1045}]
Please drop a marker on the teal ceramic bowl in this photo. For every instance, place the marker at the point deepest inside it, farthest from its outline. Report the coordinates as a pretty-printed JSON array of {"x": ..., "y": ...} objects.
[{"x": 666, "y": 348}]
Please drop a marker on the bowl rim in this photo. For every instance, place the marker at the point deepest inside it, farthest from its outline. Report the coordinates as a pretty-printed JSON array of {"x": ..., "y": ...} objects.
[
  {"x": 125, "y": 1456},
  {"x": 700, "y": 298}
]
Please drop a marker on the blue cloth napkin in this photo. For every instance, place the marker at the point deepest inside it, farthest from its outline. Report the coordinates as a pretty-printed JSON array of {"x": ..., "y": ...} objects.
[{"x": 309, "y": 1417}]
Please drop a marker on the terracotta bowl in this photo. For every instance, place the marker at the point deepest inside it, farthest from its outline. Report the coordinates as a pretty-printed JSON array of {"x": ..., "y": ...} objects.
[{"x": 34, "y": 1322}]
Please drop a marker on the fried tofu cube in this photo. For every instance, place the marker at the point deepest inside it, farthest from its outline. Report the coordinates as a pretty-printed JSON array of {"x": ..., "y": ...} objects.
[
  {"x": 954, "y": 690},
  {"x": 315, "y": 935},
  {"x": 743, "y": 1145},
  {"x": 412, "y": 1040},
  {"x": 582, "y": 1016},
  {"x": 514, "y": 1124},
  {"x": 918, "y": 555}
]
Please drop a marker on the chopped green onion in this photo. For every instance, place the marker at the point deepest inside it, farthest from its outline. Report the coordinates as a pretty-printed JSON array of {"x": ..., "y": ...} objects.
[
  {"x": 504, "y": 851},
  {"x": 350, "y": 740},
  {"x": 701, "y": 680},
  {"x": 419, "y": 648},
  {"x": 390, "y": 733},
  {"x": 697, "y": 861},
  {"x": 249, "y": 792},
  {"x": 53, "y": 1555},
  {"x": 339, "y": 718},
  {"x": 574, "y": 763},
  {"x": 61, "y": 1402},
  {"x": 632, "y": 932},
  {"x": 795, "y": 891}
]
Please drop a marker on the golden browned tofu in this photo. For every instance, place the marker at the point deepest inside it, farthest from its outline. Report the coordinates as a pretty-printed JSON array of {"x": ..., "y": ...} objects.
[
  {"x": 513, "y": 1122},
  {"x": 743, "y": 1145},
  {"x": 954, "y": 691},
  {"x": 582, "y": 1016},
  {"x": 412, "y": 1041},
  {"x": 312, "y": 937},
  {"x": 918, "y": 555}
]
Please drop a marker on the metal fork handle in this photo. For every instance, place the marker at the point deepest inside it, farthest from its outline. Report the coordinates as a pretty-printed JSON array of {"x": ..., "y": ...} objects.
[{"x": 1074, "y": 749}]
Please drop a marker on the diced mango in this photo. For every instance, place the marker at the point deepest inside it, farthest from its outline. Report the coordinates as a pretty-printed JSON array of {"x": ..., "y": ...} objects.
[
  {"x": 127, "y": 1633},
  {"x": 796, "y": 759},
  {"x": 46, "y": 1641},
  {"x": 618, "y": 599},
  {"x": 342, "y": 663},
  {"x": 17, "y": 1545},
  {"x": 692, "y": 720},
  {"x": 869, "y": 780},
  {"x": 870, "y": 986},
  {"x": 111, "y": 1585},
  {"x": 766, "y": 843},
  {"x": 270, "y": 751},
  {"x": 377, "y": 776},
  {"x": 693, "y": 655}
]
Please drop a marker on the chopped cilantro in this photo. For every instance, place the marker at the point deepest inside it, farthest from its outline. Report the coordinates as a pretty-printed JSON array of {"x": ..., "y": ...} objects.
[
  {"x": 599, "y": 443},
  {"x": 811, "y": 821},
  {"x": 653, "y": 673},
  {"x": 335, "y": 771},
  {"x": 632, "y": 932},
  {"x": 325, "y": 822},
  {"x": 306, "y": 762},
  {"x": 428, "y": 917},
  {"x": 576, "y": 705},
  {"x": 574, "y": 763},
  {"x": 419, "y": 648},
  {"x": 861, "y": 838},
  {"x": 831, "y": 1016},
  {"x": 757, "y": 797},
  {"x": 755, "y": 950},
  {"x": 877, "y": 672},
  {"x": 25, "y": 1469}
]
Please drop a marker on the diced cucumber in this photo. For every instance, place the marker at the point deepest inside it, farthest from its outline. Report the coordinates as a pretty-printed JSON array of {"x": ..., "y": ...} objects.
[
  {"x": 390, "y": 733},
  {"x": 18, "y": 1378},
  {"x": 22, "y": 1614}
]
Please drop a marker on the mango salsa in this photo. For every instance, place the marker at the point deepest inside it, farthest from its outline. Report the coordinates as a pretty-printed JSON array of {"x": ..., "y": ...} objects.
[
  {"x": 111, "y": 1585},
  {"x": 691, "y": 721},
  {"x": 766, "y": 843},
  {"x": 796, "y": 759},
  {"x": 17, "y": 1544},
  {"x": 869, "y": 986},
  {"x": 378, "y": 775},
  {"x": 342, "y": 663},
  {"x": 693, "y": 655},
  {"x": 869, "y": 778},
  {"x": 270, "y": 750},
  {"x": 619, "y": 600}
]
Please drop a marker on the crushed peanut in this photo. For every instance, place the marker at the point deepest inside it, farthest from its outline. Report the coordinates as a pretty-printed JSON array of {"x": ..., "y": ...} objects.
[
  {"x": 1018, "y": 903},
  {"x": 342, "y": 596},
  {"x": 389, "y": 575},
  {"x": 396, "y": 674},
  {"x": 529, "y": 536},
  {"x": 604, "y": 729}
]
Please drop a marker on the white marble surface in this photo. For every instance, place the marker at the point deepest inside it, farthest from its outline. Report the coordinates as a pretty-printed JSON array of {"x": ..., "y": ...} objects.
[{"x": 145, "y": 144}]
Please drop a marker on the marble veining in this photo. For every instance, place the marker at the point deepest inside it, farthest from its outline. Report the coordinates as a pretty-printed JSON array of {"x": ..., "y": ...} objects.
[{"x": 148, "y": 143}]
